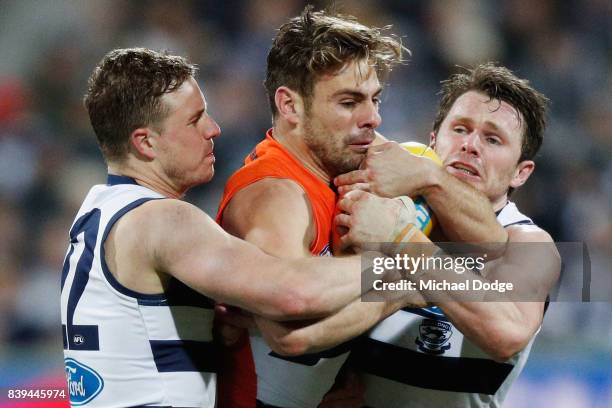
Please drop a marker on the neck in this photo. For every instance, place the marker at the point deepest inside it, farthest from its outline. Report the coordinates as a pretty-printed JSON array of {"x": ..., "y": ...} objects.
[
  {"x": 147, "y": 178},
  {"x": 499, "y": 203},
  {"x": 295, "y": 144}
]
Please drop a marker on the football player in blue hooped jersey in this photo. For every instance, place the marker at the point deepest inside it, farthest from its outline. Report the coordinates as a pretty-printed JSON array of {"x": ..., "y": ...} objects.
[
  {"x": 488, "y": 129},
  {"x": 142, "y": 265}
]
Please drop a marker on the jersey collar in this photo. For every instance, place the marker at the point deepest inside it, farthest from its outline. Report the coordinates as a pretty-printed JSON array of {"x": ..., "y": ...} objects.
[{"x": 113, "y": 180}]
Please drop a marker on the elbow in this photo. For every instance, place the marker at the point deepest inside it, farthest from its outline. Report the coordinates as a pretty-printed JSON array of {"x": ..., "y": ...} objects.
[
  {"x": 289, "y": 346},
  {"x": 504, "y": 346},
  {"x": 295, "y": 303},
  {"x": 302, "y": 299}
]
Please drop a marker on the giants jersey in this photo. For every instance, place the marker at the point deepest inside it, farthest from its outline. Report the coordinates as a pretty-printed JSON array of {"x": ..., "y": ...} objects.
[
  {"x": 299, "y": 382},
  {"x": 123, "y": 348},
  {"x": 418, "y": 358}
]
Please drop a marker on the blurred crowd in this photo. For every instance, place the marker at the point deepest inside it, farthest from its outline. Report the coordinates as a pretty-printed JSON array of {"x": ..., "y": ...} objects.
[{"x": 49, "y": 157}]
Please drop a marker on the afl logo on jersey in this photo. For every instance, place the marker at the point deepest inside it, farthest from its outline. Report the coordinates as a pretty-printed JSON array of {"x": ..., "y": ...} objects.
[
  {"x": 434, "y": 336},
  {"x": 78, "y": 339},
  {"x": 84, "y": 383}
]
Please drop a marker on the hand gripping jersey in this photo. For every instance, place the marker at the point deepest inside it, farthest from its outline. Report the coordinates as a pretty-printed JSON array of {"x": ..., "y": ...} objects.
[
  {"x": 299, "y": 382},
  {"x": 123, "y": 348},
  {"x": 418, "y": 358}
]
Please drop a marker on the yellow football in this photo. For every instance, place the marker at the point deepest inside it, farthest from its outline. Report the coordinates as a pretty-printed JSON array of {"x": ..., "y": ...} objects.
[{"x": 425, "y": 217}]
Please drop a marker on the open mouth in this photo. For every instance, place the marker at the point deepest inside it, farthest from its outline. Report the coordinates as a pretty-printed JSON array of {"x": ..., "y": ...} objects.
[{"x": 463, "y": 168}]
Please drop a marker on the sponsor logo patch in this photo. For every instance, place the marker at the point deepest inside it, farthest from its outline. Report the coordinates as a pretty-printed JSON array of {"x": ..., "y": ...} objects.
[{"x": 84, "y": 383}]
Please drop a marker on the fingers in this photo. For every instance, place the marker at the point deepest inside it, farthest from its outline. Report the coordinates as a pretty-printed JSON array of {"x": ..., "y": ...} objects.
[
  {"x": 373, "y": 149},
  {"x": 347, "y": 202},
  {"x": 342, "y": 190},
  {"x": 346, "y": 241},
  {"x": 344, "y": 221},
  {"x": 355, "y": 176},
  {"x": 233, "y": 316}
]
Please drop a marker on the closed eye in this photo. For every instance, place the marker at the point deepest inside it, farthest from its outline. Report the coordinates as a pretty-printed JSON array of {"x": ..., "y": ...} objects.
[{"x": 195, "y": 118}]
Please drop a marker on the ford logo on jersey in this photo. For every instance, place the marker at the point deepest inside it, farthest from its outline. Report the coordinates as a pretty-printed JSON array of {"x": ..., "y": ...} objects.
[{"x": 84, "y": 384}]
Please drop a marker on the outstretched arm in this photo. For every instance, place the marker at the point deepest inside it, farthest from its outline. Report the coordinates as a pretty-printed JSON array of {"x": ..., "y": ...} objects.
[
  {"x": 500, "y": 324},
  {"x": 175, "y": 238},
  {"x": 464, "y": 214}
]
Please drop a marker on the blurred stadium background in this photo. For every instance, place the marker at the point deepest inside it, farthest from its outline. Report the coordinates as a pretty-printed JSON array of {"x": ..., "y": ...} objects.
[{"x": 49, "y": 158}]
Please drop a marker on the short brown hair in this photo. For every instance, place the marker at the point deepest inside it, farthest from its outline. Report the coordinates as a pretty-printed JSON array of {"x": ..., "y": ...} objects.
[
  {"x": 499, "y": 83},
  {"x": 125, "y": 91},
  {"x": 318, "y": 43}
]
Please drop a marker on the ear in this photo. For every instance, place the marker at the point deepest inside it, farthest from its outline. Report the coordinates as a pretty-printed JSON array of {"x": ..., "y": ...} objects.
[
  {"x": 432, "y": 140},
  {"x": 521, "y": 173},
  {"x": 141, "y": 140},
  {"x": 289, "y": 104}
]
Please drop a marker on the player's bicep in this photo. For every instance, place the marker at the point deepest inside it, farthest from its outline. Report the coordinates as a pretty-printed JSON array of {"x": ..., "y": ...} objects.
[
  {"x": 273, "y": 214},
  {"x": 190, "y": 246}
]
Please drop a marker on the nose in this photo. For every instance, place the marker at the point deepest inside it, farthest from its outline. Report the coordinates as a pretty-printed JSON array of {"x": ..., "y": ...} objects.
[
  {"x": 471, "y": 144},
  {"x": 371, "y": 118},
  {"x": 211, "y": 129}
]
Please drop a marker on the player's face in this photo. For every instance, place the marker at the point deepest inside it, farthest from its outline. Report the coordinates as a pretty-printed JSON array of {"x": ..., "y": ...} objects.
[
  {"x": 186, "y": 141},
  {"x": 339, "y": 124},
  {"x": 479, "y": 142}
]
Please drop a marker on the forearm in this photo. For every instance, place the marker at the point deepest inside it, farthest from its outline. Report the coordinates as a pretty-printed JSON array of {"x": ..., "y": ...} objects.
[
  {"x": 464, "y": 214},
  {"x": 501, "y": 329},
  {"x": 326, "y": 284},
  {"x": 347, "y": 323},
  {"x": 499, "y": 319}
]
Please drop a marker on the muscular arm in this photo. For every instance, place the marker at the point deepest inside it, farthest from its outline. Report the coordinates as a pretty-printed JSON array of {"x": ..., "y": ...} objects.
[
  {"x": 171, "y": 237},
  {"x": 464, "y": 214},
  {"x": 502, "y": 326},
  {"x": 349, "y": 322},
  {"x": 275, "y": 215}
]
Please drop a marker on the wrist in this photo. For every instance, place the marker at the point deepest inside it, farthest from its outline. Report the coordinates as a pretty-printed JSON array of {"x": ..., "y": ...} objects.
[{"x": 434, "y": 179}]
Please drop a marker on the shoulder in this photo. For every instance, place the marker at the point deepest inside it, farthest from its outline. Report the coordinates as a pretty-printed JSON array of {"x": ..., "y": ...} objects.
[
  {"x": 270, "y": 195},
  {"x": 275, "y": 214},
  {"x": 160, "y": 221}
]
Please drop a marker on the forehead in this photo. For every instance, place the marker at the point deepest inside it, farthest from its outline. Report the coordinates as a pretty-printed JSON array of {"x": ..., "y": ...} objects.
[
  {"x": 187, "y": 96},
  {"x": 356, "y": 75},
  {"x": 479, "y": 108}
]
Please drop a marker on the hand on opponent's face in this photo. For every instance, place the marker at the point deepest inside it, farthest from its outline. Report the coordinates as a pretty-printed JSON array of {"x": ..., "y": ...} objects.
[{"x": 389, "y": 171}]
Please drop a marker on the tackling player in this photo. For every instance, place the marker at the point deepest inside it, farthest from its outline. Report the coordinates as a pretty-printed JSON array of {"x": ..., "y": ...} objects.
[
  {"x": 142, "y": 265},
  {"x": 487, "y": 131}
]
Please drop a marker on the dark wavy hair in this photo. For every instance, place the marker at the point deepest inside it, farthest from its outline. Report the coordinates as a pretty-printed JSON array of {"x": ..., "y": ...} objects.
[{"x": 499, "y": 83}]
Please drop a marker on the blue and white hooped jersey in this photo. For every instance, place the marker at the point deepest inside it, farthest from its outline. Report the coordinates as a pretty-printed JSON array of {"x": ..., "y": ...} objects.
[
  {"x": 418, "y": 358},
  {"x": 123, "y": 348}
]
